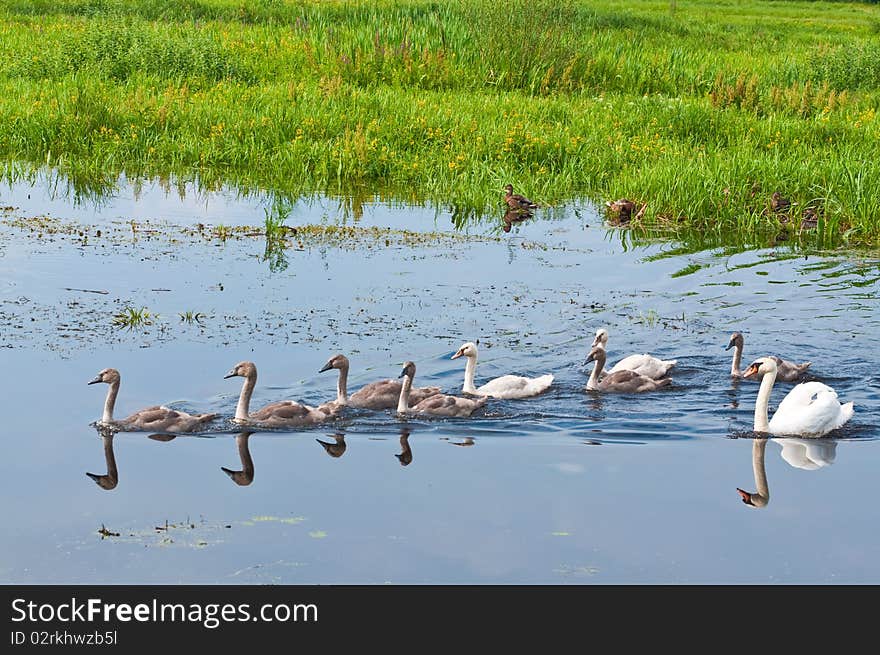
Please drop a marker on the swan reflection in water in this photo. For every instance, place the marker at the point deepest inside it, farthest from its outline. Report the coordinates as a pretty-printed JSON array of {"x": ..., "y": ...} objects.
[
  {"x": 807, "y": 454},
  {"x": 335, "y": 448},
  {"x": 110, "y": 479},
  {"x": 246, "y": 475},
  {"x": 405, "y": 457}
]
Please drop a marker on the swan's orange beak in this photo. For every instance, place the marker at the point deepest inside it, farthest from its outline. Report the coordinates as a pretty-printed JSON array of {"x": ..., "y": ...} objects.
[
  {"x": 746, "y": 496},
  {"x": 750, "y": 371},
  {"x": 457, "y": 355}
]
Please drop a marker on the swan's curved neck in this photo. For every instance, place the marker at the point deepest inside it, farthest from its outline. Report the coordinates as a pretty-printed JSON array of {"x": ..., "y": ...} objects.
[
  {"x": 110, "y": 402},
  {"x": 244, "y": 399},
  {"x": 737, "y": 359},
  {"x": 593, "y": 382},
  {"x": 403, "y": 400},
  {"x": 342, "y": 386},
  {"x": 763, "y": 491},
  {"x": 761, "y": 421},
  {"x": 470, "y": 370}
]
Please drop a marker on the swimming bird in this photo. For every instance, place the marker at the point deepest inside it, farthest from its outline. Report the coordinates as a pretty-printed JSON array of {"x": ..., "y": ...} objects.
[
  {"x": 284, "y": 413},
  {"x": 644, "y": 364},
  {"x": 516, "y": 201},
  {"x": 624, "y": 380},
  {"x": 621, "y": 210},
  {"x": 382, "y": 394},
  {"x": 436, "y": 405},
  {"x": 786, "y": 371},
  {"x": 506, "y": 386},
  {"x": 811, "y": 409},
  {"x": 157, "y": 418}
]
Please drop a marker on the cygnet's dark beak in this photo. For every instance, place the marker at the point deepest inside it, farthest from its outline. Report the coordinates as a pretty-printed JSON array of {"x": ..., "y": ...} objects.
[
  {"x": 327, "y": 367},
  {"x": 231, "y": 374},
  {"x": 96, "y": 379}
]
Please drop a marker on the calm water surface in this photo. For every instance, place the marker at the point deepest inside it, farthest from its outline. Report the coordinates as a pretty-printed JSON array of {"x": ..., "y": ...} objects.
[{"x": 569, "y": 487}]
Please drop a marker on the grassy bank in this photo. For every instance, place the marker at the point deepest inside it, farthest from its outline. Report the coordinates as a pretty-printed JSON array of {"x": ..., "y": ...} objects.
[{"x": 701, "y": 109}]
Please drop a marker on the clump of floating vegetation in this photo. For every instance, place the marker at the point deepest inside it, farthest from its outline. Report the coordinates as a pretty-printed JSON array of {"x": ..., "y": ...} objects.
[
  {"x": 699, "y": 112},
  {"x": 133, "y": 318}
]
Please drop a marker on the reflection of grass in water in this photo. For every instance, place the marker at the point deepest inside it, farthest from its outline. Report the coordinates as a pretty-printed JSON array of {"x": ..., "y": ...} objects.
[
  {"x": 132, "y": 318},
  {"x": 191, "y": 317},
  {"x": 688, "y": 270}
]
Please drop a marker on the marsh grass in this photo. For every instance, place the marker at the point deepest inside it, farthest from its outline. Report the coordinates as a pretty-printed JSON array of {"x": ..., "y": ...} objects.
[{"x": 696, "y": 110}]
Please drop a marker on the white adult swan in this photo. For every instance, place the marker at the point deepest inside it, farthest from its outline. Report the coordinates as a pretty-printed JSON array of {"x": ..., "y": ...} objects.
[
  {"x": 506, "y": 386},
  {"x": 644, "y": 364},
  {"x": 382, "y": 394},
  {"x": 284, "y": 413},
  {"x": 624, "y": 381},
  {"x": 786, "y": 371},
  {"x": 811, "y": 409},
  {"x": 157, "y": 418},
  {"x": 436, "y": 405}
]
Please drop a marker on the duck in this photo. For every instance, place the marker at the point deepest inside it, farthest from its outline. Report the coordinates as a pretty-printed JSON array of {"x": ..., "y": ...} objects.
[
  {"x": 624, "y": 381},
  {"x": 621, "y": 210},
  {"x": 516, "y": 201},
  {"x": 506, "y": 386},
  {"x": 335, "y": 448},
  {"x": 810, "y": 219},
  {"x": 437, "y": 404},
  {"x": 779, "y": 203},
  {"x": 158, "y": 418},
  {"x": 810, "y": 409},
  {"x": 786, "y": 371},
  {"x": 382, "y": 394},
  {"x": 281, "y": 414},
  {"x": 644, "y": 364},
  {"x": 246, "y": 475},
  {"x": 110, "y": 479}
]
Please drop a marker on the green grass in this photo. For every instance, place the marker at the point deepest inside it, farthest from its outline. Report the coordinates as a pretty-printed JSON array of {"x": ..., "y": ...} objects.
[{"x": 700, "y": 109}]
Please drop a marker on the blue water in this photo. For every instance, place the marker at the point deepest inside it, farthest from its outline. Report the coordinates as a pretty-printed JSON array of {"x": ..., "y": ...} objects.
[{"x": 569, "y": 487}]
